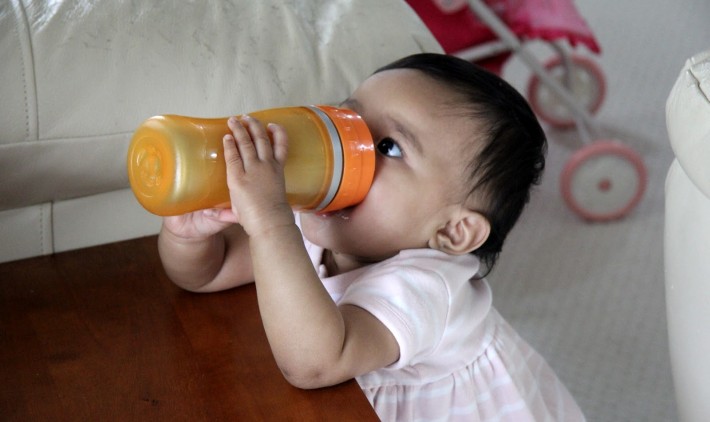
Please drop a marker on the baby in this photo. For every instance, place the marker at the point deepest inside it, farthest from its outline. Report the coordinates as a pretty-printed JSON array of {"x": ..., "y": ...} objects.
[{"x": 390, "y": 291}]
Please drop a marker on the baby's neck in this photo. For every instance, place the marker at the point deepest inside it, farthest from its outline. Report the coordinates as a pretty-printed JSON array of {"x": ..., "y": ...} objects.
[{"x": 337, "y": 263}]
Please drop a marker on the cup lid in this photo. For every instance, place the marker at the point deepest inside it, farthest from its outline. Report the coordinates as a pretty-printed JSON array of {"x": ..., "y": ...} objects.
[{"x": 358, "y": 157}]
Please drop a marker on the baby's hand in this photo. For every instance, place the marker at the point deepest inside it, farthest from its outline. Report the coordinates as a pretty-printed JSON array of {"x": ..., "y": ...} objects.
[
  {"x": 255, "y": 174},
  {"x": 199, "y": 224}
]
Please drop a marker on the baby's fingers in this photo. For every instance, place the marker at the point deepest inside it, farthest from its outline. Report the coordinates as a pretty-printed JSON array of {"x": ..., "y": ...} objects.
[
  {"x": 232, "y": 157},
  {"x": 243, "y": 139},
  {"x": 260, "y": 138},
  {"x": 278, "y": 134}
]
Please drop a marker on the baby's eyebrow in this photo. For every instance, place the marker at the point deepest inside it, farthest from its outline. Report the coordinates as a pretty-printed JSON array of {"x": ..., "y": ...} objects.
[{"x": 408, "y": 136}]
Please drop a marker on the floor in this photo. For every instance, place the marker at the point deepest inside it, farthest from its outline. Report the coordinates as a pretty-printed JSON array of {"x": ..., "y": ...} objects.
[{"x": 590, "y": 296}]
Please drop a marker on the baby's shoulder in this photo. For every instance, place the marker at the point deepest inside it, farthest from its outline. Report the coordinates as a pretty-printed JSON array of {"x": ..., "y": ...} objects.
[
  {"x": 420, "y": 272},
  {"x": 430, "y": 263}
]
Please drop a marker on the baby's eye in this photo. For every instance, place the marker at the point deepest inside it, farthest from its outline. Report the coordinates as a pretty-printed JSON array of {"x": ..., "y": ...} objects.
[{"x": 389, "y": 148}]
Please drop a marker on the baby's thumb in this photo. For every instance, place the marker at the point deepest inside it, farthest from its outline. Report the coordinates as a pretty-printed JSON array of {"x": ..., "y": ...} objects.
[{"x": 226, "y": 215}]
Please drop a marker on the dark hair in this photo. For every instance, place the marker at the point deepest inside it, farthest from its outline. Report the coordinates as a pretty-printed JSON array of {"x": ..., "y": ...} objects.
[{"x": 512, "y": 155}]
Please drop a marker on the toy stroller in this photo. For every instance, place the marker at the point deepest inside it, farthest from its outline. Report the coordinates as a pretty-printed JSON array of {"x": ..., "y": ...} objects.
[{"x": 603, "y": 180}]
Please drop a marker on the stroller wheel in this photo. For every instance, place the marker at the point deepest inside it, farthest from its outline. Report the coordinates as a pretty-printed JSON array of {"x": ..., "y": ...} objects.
[
  {"x": 603, "y": 181},
  {"x": 585, "y": 82}
]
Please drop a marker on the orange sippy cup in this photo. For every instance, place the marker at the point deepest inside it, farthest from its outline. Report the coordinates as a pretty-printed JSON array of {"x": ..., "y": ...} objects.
[{"x": 176, "y": 163}]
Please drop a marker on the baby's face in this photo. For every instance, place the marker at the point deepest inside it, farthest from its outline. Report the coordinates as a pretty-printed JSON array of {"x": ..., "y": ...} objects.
[{"x": 420, "y": 139}]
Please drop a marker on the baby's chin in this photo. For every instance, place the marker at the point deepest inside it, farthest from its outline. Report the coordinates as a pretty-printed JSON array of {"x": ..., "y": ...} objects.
[
  {"x": 343, "y": 214},
  {"x": 326, "y": 228}
]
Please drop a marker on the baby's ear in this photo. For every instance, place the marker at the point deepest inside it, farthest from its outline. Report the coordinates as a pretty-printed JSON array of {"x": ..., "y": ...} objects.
[{"x": 462, "y": 234}]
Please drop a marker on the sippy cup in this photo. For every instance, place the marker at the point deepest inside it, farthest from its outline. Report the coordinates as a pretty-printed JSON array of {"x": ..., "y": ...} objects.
[{"x": 176, "y": 163}]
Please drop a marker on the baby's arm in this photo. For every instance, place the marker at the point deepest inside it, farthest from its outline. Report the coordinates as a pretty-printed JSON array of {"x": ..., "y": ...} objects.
[
  {"x": 315, "y": 342},
  {"x": 202, "y": 254}
]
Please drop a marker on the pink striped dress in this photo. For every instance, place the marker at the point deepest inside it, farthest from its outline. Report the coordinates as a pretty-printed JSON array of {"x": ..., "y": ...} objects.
[{"x": 459, "y": 359}]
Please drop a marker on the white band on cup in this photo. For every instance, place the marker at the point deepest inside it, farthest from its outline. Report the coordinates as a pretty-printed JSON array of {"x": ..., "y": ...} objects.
[{"x": 337, "y": 158}]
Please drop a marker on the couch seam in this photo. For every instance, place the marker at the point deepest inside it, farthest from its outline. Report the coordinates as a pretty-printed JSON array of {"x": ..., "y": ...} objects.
[
  {"x": 28, "y": 73},
  {"x": 47, "y": 226}
]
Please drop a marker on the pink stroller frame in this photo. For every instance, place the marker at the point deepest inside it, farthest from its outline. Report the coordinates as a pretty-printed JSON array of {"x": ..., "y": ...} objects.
[{"x": 602, "y": 181}]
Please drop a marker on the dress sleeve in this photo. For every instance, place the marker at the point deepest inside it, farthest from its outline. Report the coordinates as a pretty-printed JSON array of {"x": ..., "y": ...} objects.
[{"x": 413, "y": 303}]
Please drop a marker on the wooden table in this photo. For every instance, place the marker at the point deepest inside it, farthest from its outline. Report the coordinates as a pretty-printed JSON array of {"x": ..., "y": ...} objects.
[{"x": 101, "y": 334}]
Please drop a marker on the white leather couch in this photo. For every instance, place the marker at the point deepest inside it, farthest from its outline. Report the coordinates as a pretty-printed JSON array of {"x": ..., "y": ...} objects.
[
  {"x": 77, "y": 77},
  {"x": 687, "y": 238}
]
